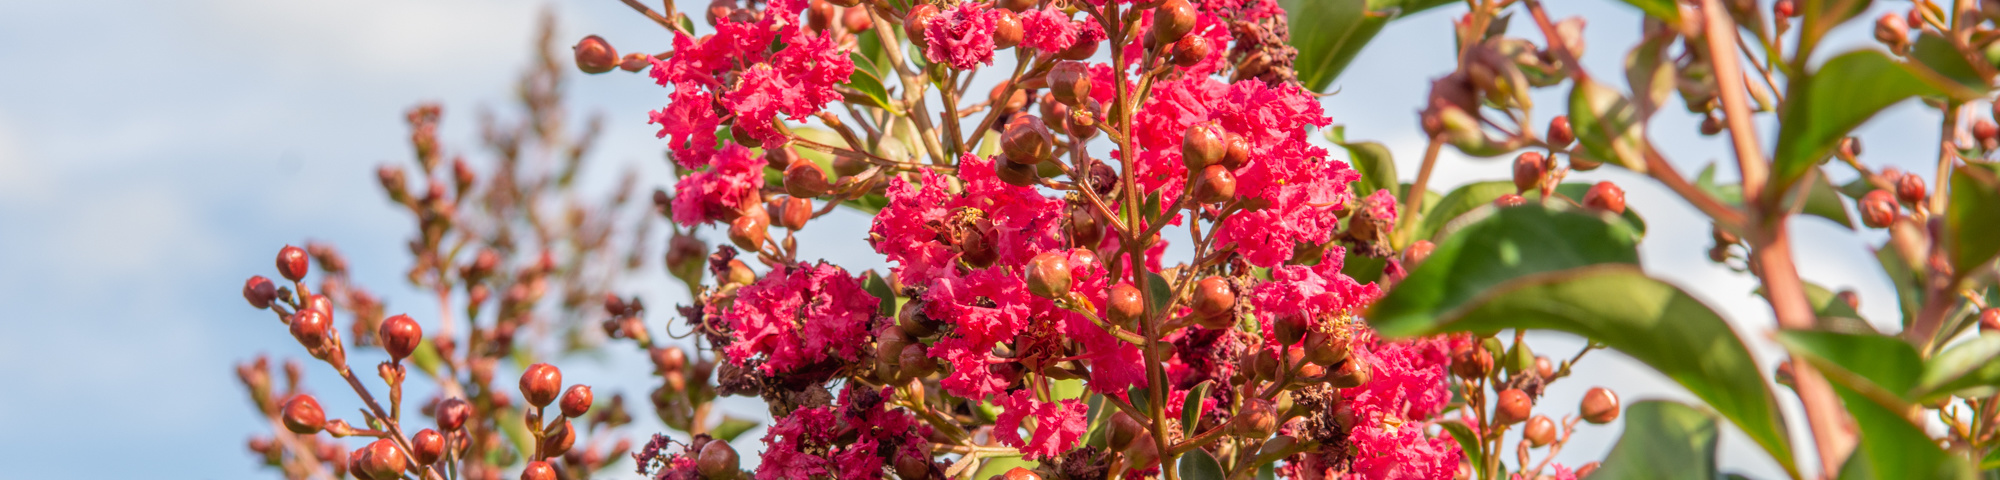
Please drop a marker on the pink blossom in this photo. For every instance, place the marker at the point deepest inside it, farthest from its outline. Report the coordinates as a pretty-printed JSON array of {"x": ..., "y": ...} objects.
[
  {"x": 799, "y": 317},
  {"x": 1048, "y": 29},
  {"x": 1058, "y": 425},
  {"x": 961, "y": 36},
  {"x": 1320, "y": 292},
  {"x": 722, "y": 191}
]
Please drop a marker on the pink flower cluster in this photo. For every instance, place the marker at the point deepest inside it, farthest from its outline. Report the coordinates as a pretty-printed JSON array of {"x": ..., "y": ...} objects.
[
  {"x": 1393, "y": 411},
  {"x": 799, "y": 317},
  {"x": 739, "y": 76},
  {"x": 961, "y": 36},
  {"x": 806, "y": 444}
]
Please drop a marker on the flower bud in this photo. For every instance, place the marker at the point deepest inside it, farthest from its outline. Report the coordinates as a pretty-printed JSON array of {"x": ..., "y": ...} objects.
[
  {"x": 1850, "y": 147},
  {"x": 1544, "y": 368},
  {"x": 259, "y": 291},
  {"x": 1006, "y": 29},
  {"x": 1290, "y": 328},
  {"x": 1172, "y": 20},
  {"x": 1989, "y": 319},
  {"x": 399, "y": 336},
  {"x": 805, "y": 179},
  {"x": 1257, "y": 418},
  {"x": 1528, "y": 171},
  {"x": 1325, "y": 348},
  {"x": 1048, "y": 275},
  {"x": 977, "y": 249},
  {"x": 1560, "y": 135},
  {"x": 1213, "y": 297},
  {"x": 1203, "y": 145},
  {"x": 717, "y": 461},
  {"x": 1014, "y": 173},
  {"x": 1352, "y": 373},
  {"x": 1910, "y": 189},
  {"x": 594, "y": 55},
  {"x": 538, "y": 470},
  {"x": 1584, "y": 471},
  {"x": 740, "y": 273},
  {"x": 302, "y": 415},
  {"x": 576, "y": 401},
  {"x": 383, "y": 459},
  {"x": 1019, "y": 473},
  {"x": 1082, "y": 122},
  {"x": 1238, "y": 153},
  {"x": 1069, "y": 82},
  {"x": 794, "y": 212},
  {"x": 1026, "y": 140},
  {"x": 1124, "y": 430},
  {"x": 1510, "y": 200},
  {"x": 1540, "y": 431},
  {"x": 1191, "y": 50},
  {"x": 310, "y": 326},
  {"x": 1892, "y": 30},
  {"x": 1605, "y": 196},
  {"x": 1124, "y": 305},
  {"x": 1878, "y": 208},
  {"x": 1084, "y": 229},
  {"x": 1600, "y": 406},
  {"x": 1785, "y": 8},
  {"x": 292, "y": 263},
  {"x": 559, "y": 440},
  {"x": 452, "y": 413},
  {"x": 634, "y": 62},
  {"x": 917, "y": 21},
  {"x": 1471, "y": 363},
  {"x": 916, "y": 363},
  {"x": 1017, "y": 6},
  {"x": 856, "y": 20},
  {"x": 749, "y": 231},
  {"x": 540, "y": 384},
  {"x": 1418, "y": 251},
  {"x": 1987, "y": 133},
  {"x": 1079, "y": 51},
  {"x": 428, "y": 446},
  {"x": 1216, "y": 185}
]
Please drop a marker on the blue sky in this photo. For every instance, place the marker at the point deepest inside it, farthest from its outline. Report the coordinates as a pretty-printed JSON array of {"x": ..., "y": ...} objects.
[{"x": 154, "y": 154}]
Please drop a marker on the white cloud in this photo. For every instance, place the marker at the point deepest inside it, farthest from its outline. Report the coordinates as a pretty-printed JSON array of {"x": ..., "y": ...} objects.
[{"x": 375, "y": 37}]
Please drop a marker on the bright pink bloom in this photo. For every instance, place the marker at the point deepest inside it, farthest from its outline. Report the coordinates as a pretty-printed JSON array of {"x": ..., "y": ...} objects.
[
  {"x": 788, "y": 440},
  {"x": 961, "y": 36},
  {"x": 1393, "y": 410},
  {"x": 1058, "y": 425},
  {"x": 1048, "y": 29},
  {"x": 1320, "y": 292},
  {"x": 797, "y": 80},
  {"x": 799, "y": 317},
  {"x": 720, "y": 192}
]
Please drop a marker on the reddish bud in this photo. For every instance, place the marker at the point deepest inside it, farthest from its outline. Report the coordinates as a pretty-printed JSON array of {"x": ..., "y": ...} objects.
[
  {"x": 540, "y": 384},
  {"x": 320, "y": 303},
  {"x": 452, "y": 414},
  {"x": 302, "y": 415},
  {"x": 576, "y": 401},
  {"x": 1893, "y": 30},
  {"x": 976, "y": 249},
  {"x": 1600, "y": 406},
  {"x": 1986, "y": 132},
  {"x": 399, "y": 336},
  {"x": 1989, "y": 319},
  {"x": 1605, "y": 196},
  {"x": 1513, "y": 406},
  {"x": 1191, "y": 50},
  {"x": 1006, "y": 29},
  {"x": 1204, "y": 144},
  {"x": 1785, "y": 8},
  {"x": 1257, "y": 418},
  {"x": 1352, "y": 373},
  {"x": 1079, "y": 51},
  {"x": 1026, "y": 140},
  {"x": 1124, "y": 429},
  {"x": 1418, "y": 251},
  {"x": 856, "y": 20},
  {"x": 383, "y": 459},
  {"x": 1015, "y": 173},
  {"x": 1084, "y": 229},
  {"x": 309, "y": 326},
  {"x": 805, "y": 179},
  {"x": 1216, "y": 185},
  {"x": 538, "y": 470},
  {"x": 1048, "y": 275},
  {"x": 293, "y": 263},
  {"x": 1850, "y": 147},
  {"x": 1238, "y": 153},
  {"x": 916, "y": 363},
  {"x": 914, "y": 466},
  {"x": 717, "y": 460},
  {"x": 594, "y": 55},
  {"x": 1017, "y": 6},
  {"x": 1290, "y": 328},
  {"x": 1471, "y": 363},
  {"x": 1528, "y": 171},
  {"x": 1540, "y": 431},
  {"x": 1213, "y": 297},
  {"x": 559, "y": 440},
  {"x": 1325, "y": 348},
  {"x": 1172, "y": 20},
  {"x": 1584, "y": 471},
  {"x": 1510, "y": 200},
  {"x": 635, "y": 61},
  {"x": 259, "y": 291},
  {"x": 1019, "y": 473},
  {"x": 1069, "y": 82},
  {"x": 1910, "y": 189},
  {"x": 917, "y": 21},
  {"x": 1124, "y": 305},
  {"x": 1560, "y": 135},
  {"x": 1878, "y": 209},
  {"x": 749, "y": 231},
  {"x": 428, "y": 446},
  {"x": 794, "y": 212}
]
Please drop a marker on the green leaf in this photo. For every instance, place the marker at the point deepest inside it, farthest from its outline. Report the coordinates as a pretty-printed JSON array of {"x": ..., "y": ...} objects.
[
  {"x": 1000, "y": 465},
  {"x": 1376, "y": 165},
  {"x": 1575, "y": 191},
  {"x": 1511, "y": 243},
  {"x": 1463, "y": 199},
  {"x": 1871, "y": 363},
  {"x": 1607, "y": 125},
  {"x": 731, "y": 427},
  {"x": 1892, "y": 448},
  {"x": 1340, "y": 29},
  {"x": 1909, "y": 293},
  {"x": 1731, "y": 193},
  {"x": 1649, "y": 69},
  {"x": 875, "y": 285},
  {"x": 1936, "y": 53},
  {"x": 1962, "y": 366},
  {"x": 1138, "y": 396},
  {"x": 1823, "y": 201},
  {"x": 1468, "y": 442},
  {"x": 1832, "y": 313},
  {"x": 1159, "y": 293},
  {"x": 1099, "y": 413},
  {"x": 868, "y": 84},
  {"x": 1663, "y": 440},
  {"x": 1363, "y": 268},
  {"x": 1660, "y": 9},
  {"x": 1652, "y": 321},
  {"x": 1198, "y": 465},
  {"x": 1191, "y": 407},
  {"x": 1821, "y": 108},
  {"x": 1972, "y": 220}
]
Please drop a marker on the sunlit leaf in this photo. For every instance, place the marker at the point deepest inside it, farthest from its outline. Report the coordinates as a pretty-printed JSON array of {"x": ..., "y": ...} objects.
[
  {"x": 1892, "y": 448},
  {"x": 1197, "y": 464},
  {"x": 1511, "y": 243},
  {"x": 1822, "y": 107},
  {"x": 1663, "y": 440},
  {"x": 1972, "y": 220},
  {"x": 1874, "y": 364},
  {"x": 731, "y": 427}
]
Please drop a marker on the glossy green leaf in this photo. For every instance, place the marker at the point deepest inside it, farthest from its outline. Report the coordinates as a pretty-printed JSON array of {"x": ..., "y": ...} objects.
[
  {"x": 1862, "y": 362},
  {"x": 875, "y": 285},
  {"x": 1376, "y": 165},
  {"x": 1607, "y": 125},
  {"x": 869, "y": 85},
  {"x": 1832, "y": 313},
  {"x": 1823, "y": 200},
  {"x": 1821, "y": 108},
  {"x": 1892, "y": 448},
  {"x": 1965, "y": 365},
  {"x": 1936, "y": 53},
  {"x": 1660, "y": 9},
  {"x": 1191, "y": 407},
  {"x": 1463, "y": 199},
  {"x": 1973, "y": 217},
  {"x": 1649, "y": 70},
  {"x": 1099, "y": 413},
  {"x": 1159, "y": 293},
  {"x": 1662, "y": 441},
  {"x": 1468, "y": 442},
  {"x": 732, "y": 427},
  {"x": 1510, "y": 243},
  {"x": 1340, "y": 29},
  {"x": 1909, "y": 295},
  {"x": 1614, "y": 304},
  {"x": 1363, "y": 268},
  {"x": 1197, "y": 464}
]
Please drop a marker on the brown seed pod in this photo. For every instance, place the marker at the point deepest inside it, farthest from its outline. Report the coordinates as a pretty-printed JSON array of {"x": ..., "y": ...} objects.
[
  {"x": 914, "y": 466},
  {"x": 1015, "y": 173},
  {"x": 1290, "y": 328},
  {"x": 594, "y": 55},
  {"x": 538, "y": 470},
  {"x": 1605, "y": 196},
  {"x": 1600, "y": 406},
  {"x": 302, "y": 415},
  {"x": 1006, "y": 29},
  {"x": 1084, "y": 229},
  {"x": 916, "y": 363},
  {"x": 1529, "y": 168},
  {"x": 576, "y": 401},
  {"x": 1069, "y": 82},
  {"x": 717, "y": 460},
  {"x": 1257, "y": 418},
  {"x": 427, "y": 446},
  {"x": 1540, "y": 431},
  {"x": 1878, "y": 209},
  {"x": 293, "y": 263},
  {"x": 1203, "y": 145},
  {"x": 1560, "y": 136},
  {"x": 1512, "y": 406},
  {"x": 540, "y": 383},
  {"x": 399, "y": 336},
  {"x": 749, "y": 231},
  {"x": 1026, "y": 140},
  {"x": 805, "y": 179},
  {"x": 977, "y": 249},
  {"x": 1473, "y": 362},
  {"x": 1049, "y": 275},
  {"x": 918, "y": 20},
  {"x": 1191, "y": 50},
  {"x": 1172, "y": 20}
]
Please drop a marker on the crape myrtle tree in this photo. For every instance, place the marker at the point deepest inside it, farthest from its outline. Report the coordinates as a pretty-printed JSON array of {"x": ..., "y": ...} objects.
[{"x": 1328, "y": 319}]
